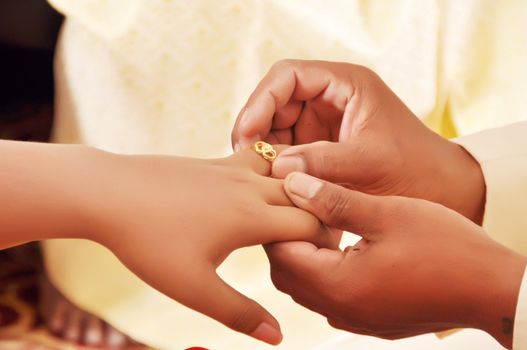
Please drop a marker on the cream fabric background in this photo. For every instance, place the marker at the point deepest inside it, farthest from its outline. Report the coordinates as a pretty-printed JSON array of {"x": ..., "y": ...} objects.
[{"x": 153, "y": 76}]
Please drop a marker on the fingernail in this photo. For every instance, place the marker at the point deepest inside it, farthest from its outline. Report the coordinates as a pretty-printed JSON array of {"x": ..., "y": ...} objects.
[
  {"x": 284, "y": 165},
  {"x": 304, "y": 185},
  {"x": 267, "y": 333}
]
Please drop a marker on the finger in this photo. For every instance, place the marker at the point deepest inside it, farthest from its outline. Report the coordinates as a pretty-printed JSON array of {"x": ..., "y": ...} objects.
[
  {"x": 301, "y": 270},
  {"x": 337, "y": 206},
  {"x": 309, "y": 128},
  {"x": 288, "y": 284},
  {"x": 329, "y": 86},
  {"x": 272, "y": 190},
  {"x": 314, "y": 232},
  {"x": 310, "y": 275},
  {"x": 286, "y": 224},
  {"x": 330, "y": 161},
  {"x": 286, "y": 81},
  {"x": 304, "y": 261},
  {"x": 286, "y": 116},
  {"x": 211, "y": 296},
  {"x": 280, "y": 136},
  {"x": 249, "y": 159}
]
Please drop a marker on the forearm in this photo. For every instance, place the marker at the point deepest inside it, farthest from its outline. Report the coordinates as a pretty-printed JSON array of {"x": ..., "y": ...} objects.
[{"x": 47, "y": 191}]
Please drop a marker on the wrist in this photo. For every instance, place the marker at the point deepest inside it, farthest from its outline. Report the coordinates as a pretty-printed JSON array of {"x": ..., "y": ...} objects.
[
  {"x": 464, "y": 183},
  {"x": 111, "y": 197},
  {"x": 497, "y": 299},
  {"x": 86, "y": 181}
]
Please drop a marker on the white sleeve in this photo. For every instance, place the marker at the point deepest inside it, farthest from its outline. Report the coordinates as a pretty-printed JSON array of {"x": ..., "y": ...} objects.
[{"x": 502, "y": 154}]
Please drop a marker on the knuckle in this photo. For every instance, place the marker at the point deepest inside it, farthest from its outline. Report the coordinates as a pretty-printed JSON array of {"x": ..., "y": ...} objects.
[
  {"x": 368, "y": 79},
  {"x": 284, "y": 64},
  {"x": 242, "y": 320},
  {"x": 335, "y": 207},
  {"x": 316, "y": 159},
  {"x": 367, "y": 72}
]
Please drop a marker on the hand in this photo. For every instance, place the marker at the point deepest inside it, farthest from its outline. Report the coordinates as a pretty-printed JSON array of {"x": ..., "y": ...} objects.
[
  {"x": 369, "y": 140},
  {"x": 420, "y": 267},
  {"x": 175, "y": 220}
]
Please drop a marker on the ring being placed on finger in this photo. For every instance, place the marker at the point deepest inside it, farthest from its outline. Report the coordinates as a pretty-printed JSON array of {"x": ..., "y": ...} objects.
[{"x": 265, "y": 150}]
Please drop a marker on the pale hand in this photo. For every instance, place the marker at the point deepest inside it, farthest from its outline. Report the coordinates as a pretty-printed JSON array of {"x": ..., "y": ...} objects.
[
  {"x": 174, "y": 220},
  {"x": 171, "y": 220}
]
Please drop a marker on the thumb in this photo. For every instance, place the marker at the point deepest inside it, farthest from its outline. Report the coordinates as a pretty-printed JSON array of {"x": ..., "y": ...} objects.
[
  {"x": 336, "y": 206},
  {"x": 331, "y": 161},
  {"x": 215, "y": 298}
]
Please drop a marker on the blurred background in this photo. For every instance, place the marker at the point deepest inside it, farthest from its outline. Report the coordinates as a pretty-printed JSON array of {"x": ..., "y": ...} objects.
[{"x": 28, "y": 33}]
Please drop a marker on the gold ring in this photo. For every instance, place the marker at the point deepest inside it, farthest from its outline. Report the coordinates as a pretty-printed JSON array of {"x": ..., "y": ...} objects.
[{"x": 265, "y": 150}]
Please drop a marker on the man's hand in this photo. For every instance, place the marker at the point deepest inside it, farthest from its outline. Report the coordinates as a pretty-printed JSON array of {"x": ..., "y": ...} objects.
[
  {"x": 420, "y": 267},
  {"x": 369, "y": 140}
]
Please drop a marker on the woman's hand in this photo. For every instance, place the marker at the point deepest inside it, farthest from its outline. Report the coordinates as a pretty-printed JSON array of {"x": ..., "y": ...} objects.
[
  {"x": 172, "y": 221},
  {"x": 368, "y": 139},
  {"x": 419, "y": 268}
]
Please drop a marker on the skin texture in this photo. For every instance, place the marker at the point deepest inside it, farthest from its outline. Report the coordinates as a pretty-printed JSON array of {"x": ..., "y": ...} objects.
[
  {"x": 420, "y": 267},
  {"x": 351, "y": 129},
  {"x": 172, "y": 220}
]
